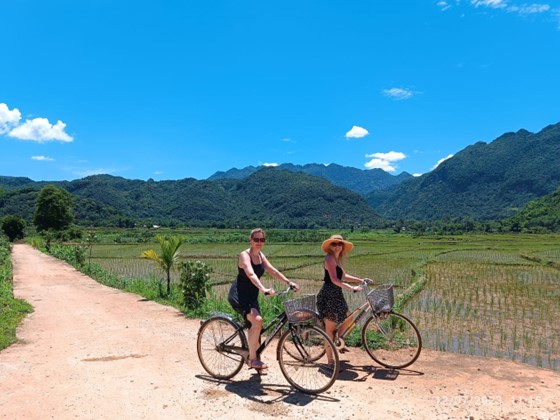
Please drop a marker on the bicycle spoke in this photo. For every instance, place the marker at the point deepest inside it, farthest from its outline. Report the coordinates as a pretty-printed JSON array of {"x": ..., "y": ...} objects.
[
  {"x": 392, "y": 340},
  {"x": 216, "y": 339},
  {"x": 303, "y": 359}
]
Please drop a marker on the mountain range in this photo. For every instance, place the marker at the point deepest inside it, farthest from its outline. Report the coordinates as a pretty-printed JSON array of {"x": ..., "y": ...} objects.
[
  {"x": 482, "y": 182},
  {"x": 354, "y": 179}
]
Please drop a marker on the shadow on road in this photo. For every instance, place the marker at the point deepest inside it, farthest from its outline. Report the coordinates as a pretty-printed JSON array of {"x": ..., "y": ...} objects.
[
  {"x": 257, "y": 389},
  {"x": 362, "y": 373}
]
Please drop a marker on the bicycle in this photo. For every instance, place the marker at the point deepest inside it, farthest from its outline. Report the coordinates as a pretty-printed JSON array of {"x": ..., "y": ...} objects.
[
  {"x": 222, "y": 347},
  {"x": 390, "y": 338}
]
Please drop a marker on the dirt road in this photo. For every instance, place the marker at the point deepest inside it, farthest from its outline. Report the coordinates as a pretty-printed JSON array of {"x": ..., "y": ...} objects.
[{"x": 92, "y": 352}]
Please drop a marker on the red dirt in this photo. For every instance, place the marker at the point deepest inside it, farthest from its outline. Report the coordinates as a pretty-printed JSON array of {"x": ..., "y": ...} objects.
[{"x": 92, "y": 352}]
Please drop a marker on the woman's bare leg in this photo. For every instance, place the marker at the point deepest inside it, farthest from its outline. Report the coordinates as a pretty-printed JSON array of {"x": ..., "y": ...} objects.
[
  {"x": 256, "y": 321},
  {"x": 330, "y": 328}
]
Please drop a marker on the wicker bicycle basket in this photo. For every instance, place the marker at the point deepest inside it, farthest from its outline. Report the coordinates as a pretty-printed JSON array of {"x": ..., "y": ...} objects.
[
  {"x": 381, "y": 298},
  {"x": 301, "y": 309}
]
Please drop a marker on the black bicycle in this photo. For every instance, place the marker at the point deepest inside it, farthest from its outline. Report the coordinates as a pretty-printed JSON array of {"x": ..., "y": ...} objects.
[{"x": 222, "y": 347}]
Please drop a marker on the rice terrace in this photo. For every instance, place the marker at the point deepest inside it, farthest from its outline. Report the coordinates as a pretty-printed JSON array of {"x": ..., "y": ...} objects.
[{"x": 492, "y": 295}]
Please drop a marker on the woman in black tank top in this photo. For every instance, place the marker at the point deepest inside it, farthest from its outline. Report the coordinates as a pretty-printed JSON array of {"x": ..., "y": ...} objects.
[{"x": 244, "y": 292}]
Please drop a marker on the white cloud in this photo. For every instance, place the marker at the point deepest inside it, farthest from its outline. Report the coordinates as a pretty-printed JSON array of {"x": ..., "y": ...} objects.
[
  {"x": 43, "y": 158},
  {"x": 288, "y": 140},
  {"x": 8, "y": 119},
  {"x": 524, "y": 9},
  {"x": 441, "y": 160},
  {"x": 443, "y": 5},
  {"x": 270, "y": 164},
  {"x": 494, "y": 4},
  {"x": 398, "y": 94},
  {"x": 40, "y": 130},
  {"x": 384, "y": 161},
  {"x": 529, "y": 9},
  {"x": 356, "y": 133}
]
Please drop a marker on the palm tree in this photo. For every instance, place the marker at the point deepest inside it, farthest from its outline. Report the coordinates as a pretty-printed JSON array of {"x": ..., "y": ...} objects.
[{"x": 168, "y": 257}]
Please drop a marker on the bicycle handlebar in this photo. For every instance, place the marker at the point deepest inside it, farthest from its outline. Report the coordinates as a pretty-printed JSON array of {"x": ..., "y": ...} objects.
[{"x": 291, "y": 287}]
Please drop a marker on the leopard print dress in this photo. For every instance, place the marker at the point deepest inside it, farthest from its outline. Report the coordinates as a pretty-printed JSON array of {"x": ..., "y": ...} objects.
[{"x": 330, "y": 299}]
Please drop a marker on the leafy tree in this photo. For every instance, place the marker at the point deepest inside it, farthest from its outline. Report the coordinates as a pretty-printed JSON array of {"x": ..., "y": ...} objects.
[
  {"x": 168, "y": 257},
  {"x": 13, "y": 227},
  {"x": 53, "y": 209}
]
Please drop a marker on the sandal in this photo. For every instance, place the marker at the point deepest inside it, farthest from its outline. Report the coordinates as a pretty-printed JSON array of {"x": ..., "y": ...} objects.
[{"x": 257, "y": 365}]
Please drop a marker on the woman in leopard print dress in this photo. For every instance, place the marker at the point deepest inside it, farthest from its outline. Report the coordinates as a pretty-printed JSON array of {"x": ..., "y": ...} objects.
[{"x": 331, "y": 304}]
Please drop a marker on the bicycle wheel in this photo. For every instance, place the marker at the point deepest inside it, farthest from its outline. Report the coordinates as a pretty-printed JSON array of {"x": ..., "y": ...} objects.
[
  {"x": 392, "y": 340},
  {"x": 217, "y": 337},
  {"x": 309, "y": 371},
  {"x": 312, "y": 319}
]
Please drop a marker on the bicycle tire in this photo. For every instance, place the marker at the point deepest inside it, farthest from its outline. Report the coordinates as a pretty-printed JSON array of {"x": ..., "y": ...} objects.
[
  {"x": 216, "y": 359},
  {"x": 308, "y": 373},
  {"x": 392, "y": 340},
  {"x": 313, "y": 321}
]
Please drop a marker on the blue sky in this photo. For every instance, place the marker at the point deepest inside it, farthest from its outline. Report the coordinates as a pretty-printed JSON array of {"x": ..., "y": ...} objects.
[{"x": 182, "y": 89}]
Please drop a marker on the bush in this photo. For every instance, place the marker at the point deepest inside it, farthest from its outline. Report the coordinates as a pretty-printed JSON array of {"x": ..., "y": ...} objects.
[
  {"x": 194, "y": 279},
  {"x": 13, "y": 227},
  {"x": 75, "y": 255}
]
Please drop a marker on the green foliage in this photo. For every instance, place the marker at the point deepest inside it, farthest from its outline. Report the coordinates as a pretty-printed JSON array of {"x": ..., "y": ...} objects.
[
  {"x": 13, "y": 227},
  {"x": 36, "y": 242},
  {"x": 75, "y": 255},
  {"x": 195, "y": 283},
  {"x": 90, "y": 240},
  {"x": 267, "y": 198},
  {"x": 53, "y": 209},
  {"x": 542, "y": 215},
  {"x": 168, "y": 258},
  {"x": 12, "y": 311}
]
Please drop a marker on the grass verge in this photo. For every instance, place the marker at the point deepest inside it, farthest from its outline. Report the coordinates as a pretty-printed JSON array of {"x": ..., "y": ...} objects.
[{"x": 12, "y": 310}]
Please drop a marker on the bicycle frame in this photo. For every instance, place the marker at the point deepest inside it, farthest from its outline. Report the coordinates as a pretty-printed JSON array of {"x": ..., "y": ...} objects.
[
  {"x": 275, "y": 325},
  {"x": 357, "y": 315}
]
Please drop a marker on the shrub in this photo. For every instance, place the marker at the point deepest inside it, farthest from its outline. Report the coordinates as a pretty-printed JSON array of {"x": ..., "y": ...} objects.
[
  {"x": 13, "y": 227},
  {"x": 194, "y": 278}
]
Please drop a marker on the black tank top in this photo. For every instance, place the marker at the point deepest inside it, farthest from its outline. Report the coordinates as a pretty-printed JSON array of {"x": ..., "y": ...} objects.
[
  {"x": 327, "y": 278},
  {"x": 246, "y": 290}
]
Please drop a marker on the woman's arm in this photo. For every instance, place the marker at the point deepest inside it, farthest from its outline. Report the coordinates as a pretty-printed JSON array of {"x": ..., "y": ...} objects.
[
  {"x": 330, "y": 265},
  {"x": 348, "y": 277}
]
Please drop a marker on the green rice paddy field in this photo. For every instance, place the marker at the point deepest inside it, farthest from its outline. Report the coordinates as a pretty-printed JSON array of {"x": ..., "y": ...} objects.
[{"x": 489, "y": 295}]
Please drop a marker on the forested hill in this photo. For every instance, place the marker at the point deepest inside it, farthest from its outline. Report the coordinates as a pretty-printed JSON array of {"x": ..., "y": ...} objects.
[
  {"x": 484, "y": 181},
  {"x": 354, "y": 179},
  {"x": 269, "y": 198},
  {"x": 541, "y": 214}
]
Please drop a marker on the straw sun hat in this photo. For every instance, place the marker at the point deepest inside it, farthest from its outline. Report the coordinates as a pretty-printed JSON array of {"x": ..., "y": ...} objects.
[{"x": 336, "y": 238}]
